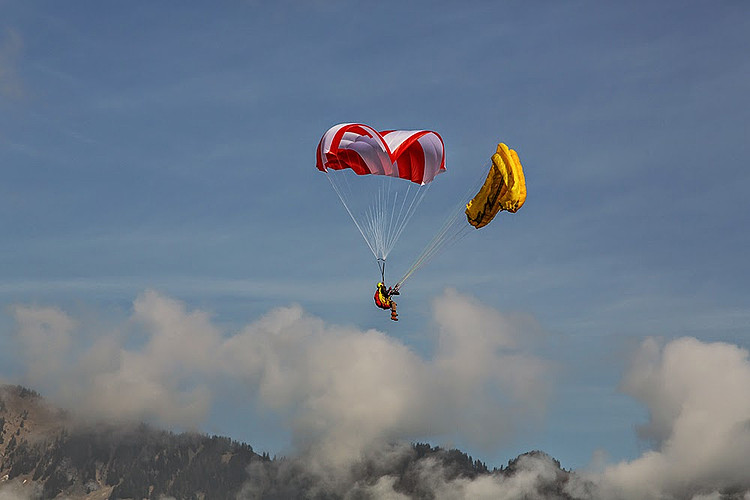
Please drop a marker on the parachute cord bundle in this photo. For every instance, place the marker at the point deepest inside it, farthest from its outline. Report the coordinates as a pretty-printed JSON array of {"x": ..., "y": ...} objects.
[
  {"x": 349, "y": 211},
  {"x": 387, "y": 212},
  {"x": 384, "y": 230},
  {"x": 453, "y": 230}
]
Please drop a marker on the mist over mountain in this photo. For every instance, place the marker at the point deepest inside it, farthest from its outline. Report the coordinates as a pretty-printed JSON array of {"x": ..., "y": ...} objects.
[
  {"x": 349, "y": 438},
  {"x": 46, "y": 453}
]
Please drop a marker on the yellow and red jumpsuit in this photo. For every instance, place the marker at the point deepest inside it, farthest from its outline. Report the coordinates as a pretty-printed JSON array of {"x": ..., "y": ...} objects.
[{"x": 383, "y": 300}]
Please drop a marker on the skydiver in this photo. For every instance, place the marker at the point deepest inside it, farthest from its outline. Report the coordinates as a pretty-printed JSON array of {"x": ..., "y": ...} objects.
[{"x": 384, "y": 300}]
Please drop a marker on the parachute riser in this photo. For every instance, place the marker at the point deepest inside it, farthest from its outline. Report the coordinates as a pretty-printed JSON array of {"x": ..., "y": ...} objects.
[{"x": 381, "y": 265}]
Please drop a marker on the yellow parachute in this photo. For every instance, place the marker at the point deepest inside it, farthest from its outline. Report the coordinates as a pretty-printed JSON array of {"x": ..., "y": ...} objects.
[{"x": 504, "y": 188}]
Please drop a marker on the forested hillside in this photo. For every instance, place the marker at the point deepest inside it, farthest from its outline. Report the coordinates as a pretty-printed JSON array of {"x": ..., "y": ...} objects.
[{"x": 44, "y": 453}]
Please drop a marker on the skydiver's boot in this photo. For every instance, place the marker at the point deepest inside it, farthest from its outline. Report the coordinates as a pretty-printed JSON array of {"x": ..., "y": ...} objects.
[{"x": 394, "y": 315}]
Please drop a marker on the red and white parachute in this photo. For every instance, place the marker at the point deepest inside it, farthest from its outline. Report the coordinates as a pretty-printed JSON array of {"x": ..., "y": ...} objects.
[
  {"x": 414, "y": 155},
  {"x": 380, "y": 177}
]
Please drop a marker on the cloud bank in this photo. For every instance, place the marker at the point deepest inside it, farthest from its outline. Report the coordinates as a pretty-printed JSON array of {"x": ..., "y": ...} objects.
[
  {"x": 339, "y": 390},
  {"x": 699, "y": 404},
  {"x": 345, "y": 394}
]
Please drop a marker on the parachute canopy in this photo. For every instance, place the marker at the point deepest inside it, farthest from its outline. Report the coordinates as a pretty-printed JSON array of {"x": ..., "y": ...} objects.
[
  {"x": 380, "y": 177},
  {"x": 414, "y": 155},
  {"x": 504, "y": 189}
]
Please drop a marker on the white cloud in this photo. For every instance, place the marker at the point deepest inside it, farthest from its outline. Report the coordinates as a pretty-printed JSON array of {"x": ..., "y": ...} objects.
[
  {"x": 45, "y": 337},
  {"x": 697, "y": 395},
  {"x": 536, "y": 477},
  {"x": 344, "y": 389},
  {"x": 106, "y": 379},
  {"x": 478, "y": 358},
  {"x": 338, "y": 389}
]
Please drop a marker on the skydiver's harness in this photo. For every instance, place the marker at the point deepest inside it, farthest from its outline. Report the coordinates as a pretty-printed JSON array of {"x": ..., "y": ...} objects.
[
  {"x": 382, "y": 296},
  {"x": 384, "y": 301}
]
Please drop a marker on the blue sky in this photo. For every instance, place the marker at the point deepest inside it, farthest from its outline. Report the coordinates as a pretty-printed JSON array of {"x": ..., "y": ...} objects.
[{"x": 170, "y": 146}]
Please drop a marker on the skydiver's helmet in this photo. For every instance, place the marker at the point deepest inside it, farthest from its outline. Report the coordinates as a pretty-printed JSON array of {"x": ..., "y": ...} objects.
[{"x": 381, "y": 287}]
